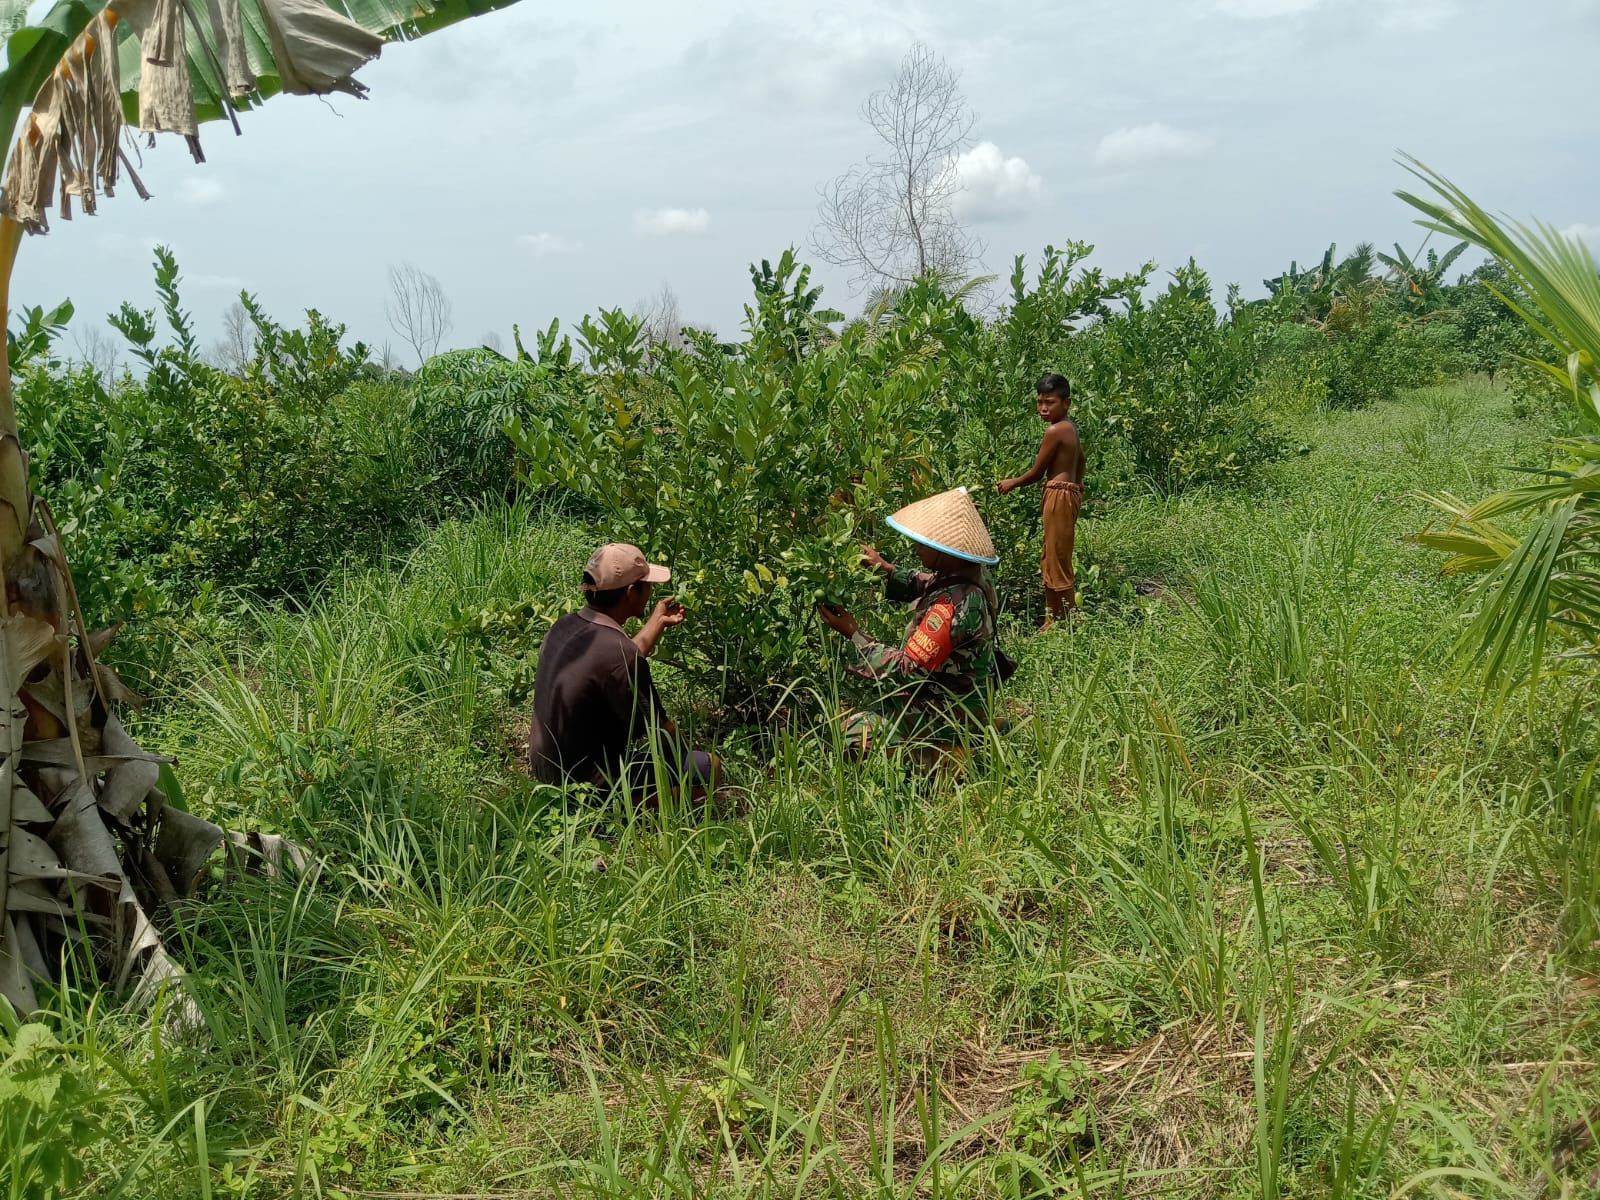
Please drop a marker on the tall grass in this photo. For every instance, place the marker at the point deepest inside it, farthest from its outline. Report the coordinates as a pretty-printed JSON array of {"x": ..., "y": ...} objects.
[{"x": 1254, "y": 898}]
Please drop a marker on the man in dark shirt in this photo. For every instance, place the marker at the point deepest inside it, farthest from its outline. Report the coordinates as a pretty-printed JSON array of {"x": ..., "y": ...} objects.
[{"x": 593, "y": 696}]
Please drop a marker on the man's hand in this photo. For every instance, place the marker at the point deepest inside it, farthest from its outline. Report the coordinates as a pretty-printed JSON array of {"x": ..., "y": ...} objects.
[
  {"x": 1006, "y": 485},
  {"x": 668, "y": 611},
  {"x": 837, "y": 618},
  {"x": 871, "y": 558}
]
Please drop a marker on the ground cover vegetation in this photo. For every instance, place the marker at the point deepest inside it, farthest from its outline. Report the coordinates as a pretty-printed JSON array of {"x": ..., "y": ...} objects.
[{"x": 1262, "y": 894}]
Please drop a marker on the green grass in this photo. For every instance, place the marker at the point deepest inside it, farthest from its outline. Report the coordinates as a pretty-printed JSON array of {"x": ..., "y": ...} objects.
[{"x": 1258, "y": 897}]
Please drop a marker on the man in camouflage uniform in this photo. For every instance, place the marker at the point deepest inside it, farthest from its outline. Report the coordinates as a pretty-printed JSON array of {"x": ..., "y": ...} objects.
[{"x": 935, "y": 687}]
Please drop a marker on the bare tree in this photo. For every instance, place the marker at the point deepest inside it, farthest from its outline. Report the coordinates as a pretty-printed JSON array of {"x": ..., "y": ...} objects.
[
  {"x": 891, "y": 219},
  {"x": 418, "y": 310},
  {"x": 661, "y": 319},
  {"x": 237, "y": 345},
  {"x": 492, "y": 341},
  {"x": 98, "y": 349}
]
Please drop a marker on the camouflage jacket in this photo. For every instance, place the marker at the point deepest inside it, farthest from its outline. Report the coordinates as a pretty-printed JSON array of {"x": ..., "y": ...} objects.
[{"x": 949, "y": 641}]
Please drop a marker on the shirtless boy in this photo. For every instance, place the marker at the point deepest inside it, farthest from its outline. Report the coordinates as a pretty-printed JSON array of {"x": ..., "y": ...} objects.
[{"x": 1060, "y": 464}]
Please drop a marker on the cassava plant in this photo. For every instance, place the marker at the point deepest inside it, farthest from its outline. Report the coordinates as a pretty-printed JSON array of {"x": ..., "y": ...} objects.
[
  {"x": 462, "y": 400},
  {"x": 90, "y": 848}
]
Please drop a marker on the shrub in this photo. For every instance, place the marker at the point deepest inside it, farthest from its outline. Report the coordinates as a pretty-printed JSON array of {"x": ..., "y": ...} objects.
[
  {"x": 1293, "y": 378},
  {"x": 191, "y": 480},
  {"x": 462, "y": 401},
  {"x": 1363, "y": 366},
  {"x": 753, "y": 474},
  {"x": 1175, "y": 384}
]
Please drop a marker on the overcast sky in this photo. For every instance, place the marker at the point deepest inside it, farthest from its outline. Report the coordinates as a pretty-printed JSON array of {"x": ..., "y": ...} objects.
[{"x": 552, "y": 158}]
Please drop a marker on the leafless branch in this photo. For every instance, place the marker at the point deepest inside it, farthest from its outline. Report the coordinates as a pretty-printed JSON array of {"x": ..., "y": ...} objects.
[
  {"x": 891, "y": 219},
  {"x": 661, "y": 318},
  {"x": 237, "y": 345},
  {"x": 98, "y": 349},
  {"x": 418, "y": 309}
]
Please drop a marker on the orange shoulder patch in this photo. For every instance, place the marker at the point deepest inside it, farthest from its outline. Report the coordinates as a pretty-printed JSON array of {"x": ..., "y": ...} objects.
[{"x": 929, "y": 643}]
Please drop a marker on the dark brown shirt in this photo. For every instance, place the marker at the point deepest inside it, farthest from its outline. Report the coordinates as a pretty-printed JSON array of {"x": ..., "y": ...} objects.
[{"x": 592, "y": 695}]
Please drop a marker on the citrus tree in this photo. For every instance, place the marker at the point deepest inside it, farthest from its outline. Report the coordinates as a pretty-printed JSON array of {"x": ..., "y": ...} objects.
[
  {"x": 754, "y": 470},
  {"x": 91, "y": 844}
]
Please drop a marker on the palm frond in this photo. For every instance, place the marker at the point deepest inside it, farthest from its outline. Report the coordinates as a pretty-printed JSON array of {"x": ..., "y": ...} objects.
[
  {"x": 1515, "y": 608},
  {"x": 1563, "y": 486},
  {"x": 1448, "y": 259},
  {"x": 1555, "y": 272},
  {"x": 1545, "y": 580}
]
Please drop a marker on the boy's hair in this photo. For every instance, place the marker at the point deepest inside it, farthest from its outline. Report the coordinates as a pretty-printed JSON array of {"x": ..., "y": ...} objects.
[
  {"x": 606, "y": 600},
  {"x": 1054, "y": 385}
]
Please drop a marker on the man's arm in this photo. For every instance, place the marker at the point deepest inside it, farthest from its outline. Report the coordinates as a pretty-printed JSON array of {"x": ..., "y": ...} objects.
[
  {"x": 1048, "y": 446},
  {"x": 668, "y": 612},
  {"x": 925, "y": 651},
  {"x": 900, "y": 583},
  {"x": 906, "y": 585},
  {"x": 638, "y": 705}
]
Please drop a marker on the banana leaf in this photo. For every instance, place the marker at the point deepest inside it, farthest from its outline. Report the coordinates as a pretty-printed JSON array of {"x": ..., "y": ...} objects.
[{"x": 169, "y": 66}]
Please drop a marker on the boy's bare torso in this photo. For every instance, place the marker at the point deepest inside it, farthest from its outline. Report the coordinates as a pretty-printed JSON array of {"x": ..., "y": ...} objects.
[{"x": 1063, "y": 454}]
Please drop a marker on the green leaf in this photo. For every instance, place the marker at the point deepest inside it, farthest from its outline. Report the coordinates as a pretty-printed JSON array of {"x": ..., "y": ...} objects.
[{"x": 33, "y": 51}]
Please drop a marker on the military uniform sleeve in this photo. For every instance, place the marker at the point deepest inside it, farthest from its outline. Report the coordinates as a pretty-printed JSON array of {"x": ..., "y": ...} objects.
[
  {"x": 946, "y": 625},
  {"x": 906, "y": 585}
]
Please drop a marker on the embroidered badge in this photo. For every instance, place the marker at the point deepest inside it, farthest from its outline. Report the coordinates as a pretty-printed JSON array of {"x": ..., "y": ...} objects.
[{"x": 929, "y": 644}]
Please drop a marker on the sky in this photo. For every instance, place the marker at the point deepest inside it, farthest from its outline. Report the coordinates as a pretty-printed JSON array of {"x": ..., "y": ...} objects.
[{"x": 552, "y": 158}]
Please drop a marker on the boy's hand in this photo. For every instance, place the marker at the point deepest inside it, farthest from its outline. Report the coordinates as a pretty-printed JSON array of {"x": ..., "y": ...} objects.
[
  {"x": 1005, "y": 485},
  {"x": 669, "y": 612},
  {"x": 871, "y": 558},
  {"x": 838, "y": 619}
]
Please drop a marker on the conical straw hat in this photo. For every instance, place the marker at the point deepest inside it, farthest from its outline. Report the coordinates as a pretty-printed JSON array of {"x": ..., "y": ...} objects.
[{"x": 948, "y": 522}]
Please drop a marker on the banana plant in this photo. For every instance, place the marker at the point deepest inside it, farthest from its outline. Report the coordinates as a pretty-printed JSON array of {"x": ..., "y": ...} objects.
[
  {"x": 1540, "y": 586},
  {"x": 92, "y": 843},
  {"x": 1309, "y": 292},
  {"x": 1420, "y": 281}
]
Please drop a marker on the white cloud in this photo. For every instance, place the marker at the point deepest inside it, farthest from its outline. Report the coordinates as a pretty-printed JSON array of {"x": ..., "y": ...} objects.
[
  {"x": 671, "y": 222},
  {"x": 1415, "y": 16},
  {"x": 1393, "y": 16},
  {"x": 806, "y": 59},
  {"x": 1255, "y": 10},
  {"x": 200, "y": 189},
  {"x": 543, "y": 244},
  {"x": 994, "y": 187},
  {"x": 1583, "y": 232},
  {"x": 1149, "y": 145}
]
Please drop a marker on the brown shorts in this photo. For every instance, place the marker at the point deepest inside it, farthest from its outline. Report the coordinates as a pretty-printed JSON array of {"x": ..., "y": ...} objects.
[{"x": 1062, "y": 498}]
